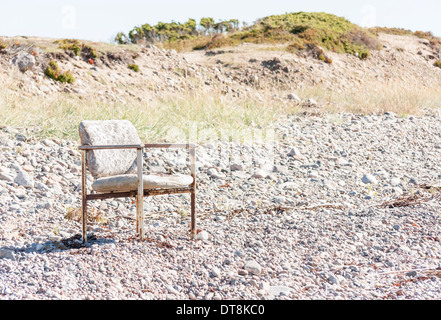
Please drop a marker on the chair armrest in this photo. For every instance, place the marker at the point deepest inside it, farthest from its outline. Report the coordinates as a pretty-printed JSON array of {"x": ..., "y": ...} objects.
[
  {"x": 170, "y": 145},
  {"x": 134, "y": 146}
]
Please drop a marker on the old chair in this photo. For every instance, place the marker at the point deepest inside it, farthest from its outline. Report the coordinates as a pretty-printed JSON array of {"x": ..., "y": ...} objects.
[{"x": 113, "y": 153}]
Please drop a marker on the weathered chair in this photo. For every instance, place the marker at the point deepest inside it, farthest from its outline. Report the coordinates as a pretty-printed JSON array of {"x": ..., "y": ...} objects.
[{"x": 113, "y": 153}]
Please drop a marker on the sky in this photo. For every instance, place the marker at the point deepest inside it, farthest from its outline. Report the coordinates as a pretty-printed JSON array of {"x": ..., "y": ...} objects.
[{"x": 100, "y": 20}]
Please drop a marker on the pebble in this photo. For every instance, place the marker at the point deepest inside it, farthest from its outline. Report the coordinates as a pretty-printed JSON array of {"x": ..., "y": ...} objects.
[
  {"x": 215, "y": 272},
  {"x": 24, "y": 179},
  {"x": 203, "y": 235},
  {"x": 369, "y": 179},
  {"x": 294, "y": 152},
  {"x": 275, "y": 291},
  {"x": 237, "y": 167},
  {"x": 253, "y": 267},
  {"x": 293, "y": 96},
  {"x": 260, "y": 174}
]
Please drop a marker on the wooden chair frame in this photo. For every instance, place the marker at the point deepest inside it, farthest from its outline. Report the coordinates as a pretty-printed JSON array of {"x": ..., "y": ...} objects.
[{"x": 140, "y": 193}]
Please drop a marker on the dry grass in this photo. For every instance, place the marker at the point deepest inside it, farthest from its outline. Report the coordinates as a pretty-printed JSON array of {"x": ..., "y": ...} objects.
[
  {"x": 172, "y": 117},
  {"x": 51, "y": 45},
  {"x": 199, "y": 115},
  {"x": 408, "y": 99}
]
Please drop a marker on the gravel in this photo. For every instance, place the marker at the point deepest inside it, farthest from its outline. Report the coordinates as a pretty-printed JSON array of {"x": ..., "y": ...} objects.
[{"x": 338, "y": 207}]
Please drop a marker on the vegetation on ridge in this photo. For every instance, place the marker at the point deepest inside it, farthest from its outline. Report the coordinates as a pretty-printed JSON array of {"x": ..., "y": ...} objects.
[
  {"x": 2, "y": 45},
  {"x": 300, "y": 31},
  {"x": 53, "y": 72},
  {"x": 175, "y": 31},
  {"x": 80, "y": 49}
]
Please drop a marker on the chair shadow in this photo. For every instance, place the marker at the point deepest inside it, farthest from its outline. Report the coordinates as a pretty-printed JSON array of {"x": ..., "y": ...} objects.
[
  {"x": 75, "y": 242},
  {"x": 72, "y": 243}
]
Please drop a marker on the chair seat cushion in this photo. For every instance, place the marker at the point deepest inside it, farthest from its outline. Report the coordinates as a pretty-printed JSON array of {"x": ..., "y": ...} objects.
[{"x": 129, "y": 182}]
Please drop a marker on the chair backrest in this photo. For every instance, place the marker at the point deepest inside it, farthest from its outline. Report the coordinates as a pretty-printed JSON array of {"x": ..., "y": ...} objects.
[{"x": 104, "y": 163}]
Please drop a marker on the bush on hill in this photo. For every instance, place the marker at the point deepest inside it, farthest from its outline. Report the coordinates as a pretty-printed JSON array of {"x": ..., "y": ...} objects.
[
  {"x": 53, "y": 72},
  {"x": 299, "y": 31}
]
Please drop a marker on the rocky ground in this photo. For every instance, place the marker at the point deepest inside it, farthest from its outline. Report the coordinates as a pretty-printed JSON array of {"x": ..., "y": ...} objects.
[{"x": 334, "y": 207}]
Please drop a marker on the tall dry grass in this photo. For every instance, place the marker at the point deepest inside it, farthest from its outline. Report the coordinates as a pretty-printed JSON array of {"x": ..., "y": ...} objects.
[
  {"x": 200, "y": 115},
  {"x": 171, "y": 117},
  {"x": 402, "y": 98}
]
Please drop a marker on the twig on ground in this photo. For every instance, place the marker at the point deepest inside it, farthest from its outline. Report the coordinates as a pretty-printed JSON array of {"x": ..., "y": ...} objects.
[{"x": 410, "y": 200}]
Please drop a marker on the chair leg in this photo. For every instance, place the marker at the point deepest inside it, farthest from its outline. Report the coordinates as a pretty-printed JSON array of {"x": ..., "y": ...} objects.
[
  {"x": 140, "y": 197},
  {"x": 193, "y": 215},
  {"x": 140, "y": 216},
  {"x": 84, "y": 221},
  {"x": 84, "y": 196}
]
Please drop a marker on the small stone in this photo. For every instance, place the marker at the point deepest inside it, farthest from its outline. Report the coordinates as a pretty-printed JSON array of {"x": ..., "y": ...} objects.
[
  {"x": 237, "y": 167},
  {"x": 103, "y": 205},
  {"x": 215, "y": 272},
  {"x": 23, "y": 179},
  {"x": 310, "y": 103},
  {"x": 275, "y": 291},
  {"x": 220, "y": 218},
  {"x": 172, "y": 290},
  {"x": 6, "y": 177},
  {"x": 23, "y": 60},
  {"x": 6, "y": 254},
  {"x": 398, "y": 191},
  {"x": 369, "y": 179},
  {"x": 253, "y": 267},
  {"x": 279, "y": 168},
  {"x": 293, "y": 96},
  {"x": 411, "y": 274},
  {"x": 253, "y": 283},
  {"x": 289, "y": 186},
  {"x": 260, "y": 174},
  {"x": 295, "y": 152},
  {"x": 212, "y": 172},
  {"x": 333, "y": 280},
  {"x": 203, "y": 235},
  {"x": 279, "y": 199},
  {"x": 28, "y": 168},
  {"x": 342, "y": 162},
  {"x": 242, "y": 272}
]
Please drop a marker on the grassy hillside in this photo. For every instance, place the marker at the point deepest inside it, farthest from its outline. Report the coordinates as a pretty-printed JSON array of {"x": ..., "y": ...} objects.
[
  {"x": 226, "y": 92},
  {"x": 299, "y": 31}
]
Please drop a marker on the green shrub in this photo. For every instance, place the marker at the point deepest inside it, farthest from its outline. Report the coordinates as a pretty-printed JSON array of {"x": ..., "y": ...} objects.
[
  {"x": 66, "y": 77},
  {"x": 437, "y": 64},
  {"x": 364, "y": 54},
  {"x": 53, "y": 72},
  {"x": 70, "y": 44},
  {"x": 175, "y": 31},
  {"x": 2, "y": 45},
  {"x": 317, "y": 52},
  {"x": 328, "y": 31},
  {"x": 325, "y": 30},
  {"x": 121, "y": 38},
  {"x": 134, "y": 67},
  {"x": 79, "y": 48}
]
